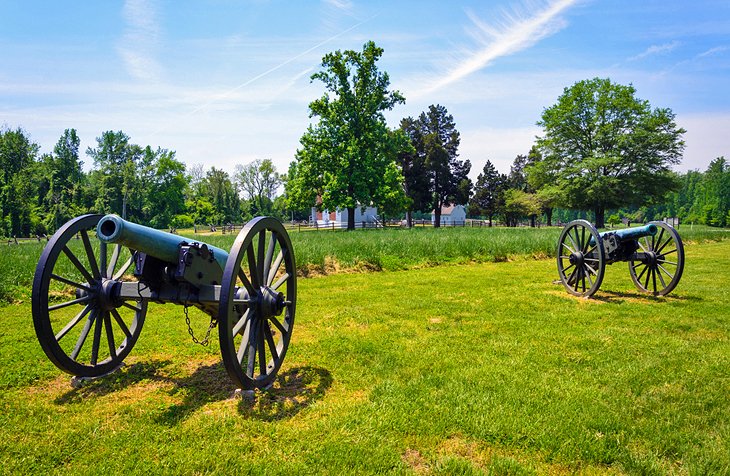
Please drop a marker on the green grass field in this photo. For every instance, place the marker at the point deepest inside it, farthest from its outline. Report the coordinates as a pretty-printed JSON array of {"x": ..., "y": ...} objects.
[
  {"x": 328, "y": 252},
  {"x": 470, "y": 368}
]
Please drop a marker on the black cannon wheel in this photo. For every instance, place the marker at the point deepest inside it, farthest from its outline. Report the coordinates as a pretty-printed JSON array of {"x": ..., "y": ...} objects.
[
  {"x": 662, "y": 269},
  {"x": 258, "y": 303},
  {"x": 581, "y": 258},
  {"x": 81, "y": 331}
]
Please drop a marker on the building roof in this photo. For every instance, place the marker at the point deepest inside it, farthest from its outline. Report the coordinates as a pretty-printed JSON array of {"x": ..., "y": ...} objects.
[{"x": 447, "y": 209}]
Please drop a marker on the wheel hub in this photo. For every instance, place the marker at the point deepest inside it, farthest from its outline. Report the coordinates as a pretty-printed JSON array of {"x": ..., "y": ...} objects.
[
  {"x": 106, "y": 295},
  {"x": 576, "y": 258},
  {"x": 270, "y": 302}
]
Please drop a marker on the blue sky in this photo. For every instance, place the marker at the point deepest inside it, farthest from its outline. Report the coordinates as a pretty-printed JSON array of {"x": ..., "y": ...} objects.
[{"x": 226, "y": 82}]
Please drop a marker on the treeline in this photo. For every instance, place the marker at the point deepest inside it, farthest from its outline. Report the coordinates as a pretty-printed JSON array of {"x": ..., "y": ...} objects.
[
  {"x": 41, "y": 191},
  {"x": 510, "y": 198}
]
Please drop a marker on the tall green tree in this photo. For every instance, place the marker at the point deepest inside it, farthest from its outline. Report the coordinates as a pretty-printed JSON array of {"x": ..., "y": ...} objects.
[
  {"x": 347, "y": 156},
  {"x": 115, "y": 171},
  {"x": 62, "y": 181},
  {"x": 18, "y": 176},
  {"x": 488, "y": 198},
  {"x": 221, "y": 192},
  {"x": 609, "y": 149},
  {"x": 437, "y": 146},
  {"x": 415, "y": 178},
  {"x": 259, "y": 182},
  {"x": 166, "y": 193}
]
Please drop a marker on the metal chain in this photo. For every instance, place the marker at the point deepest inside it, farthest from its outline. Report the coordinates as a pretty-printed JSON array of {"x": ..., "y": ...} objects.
[{"x": 206, "y": 340}]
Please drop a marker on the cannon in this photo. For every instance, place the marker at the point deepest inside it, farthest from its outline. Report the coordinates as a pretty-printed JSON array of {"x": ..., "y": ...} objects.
[
  {"x": 97, "y": 275},
  {"x": 654, "y": 252}
]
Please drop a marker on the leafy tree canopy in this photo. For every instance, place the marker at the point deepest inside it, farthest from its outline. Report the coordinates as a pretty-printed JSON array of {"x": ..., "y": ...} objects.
[
  {"x": 608, "y": 149},
  {"x": 347, "y": 157}
]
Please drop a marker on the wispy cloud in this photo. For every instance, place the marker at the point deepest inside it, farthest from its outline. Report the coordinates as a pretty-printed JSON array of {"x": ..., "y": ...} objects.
[
  {"x": 656, "y": 50},
  {"x": 713, "y": 51},
  {"x": 140, "y": 39},
  {"x": 518, "y": 30},
  {"x": 340, "y": 4}
]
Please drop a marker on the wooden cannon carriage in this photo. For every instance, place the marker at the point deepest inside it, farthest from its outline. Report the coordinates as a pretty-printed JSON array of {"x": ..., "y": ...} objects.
[
  {"x": 90, "y": 296},
  {"x": 654, "y": 252}
]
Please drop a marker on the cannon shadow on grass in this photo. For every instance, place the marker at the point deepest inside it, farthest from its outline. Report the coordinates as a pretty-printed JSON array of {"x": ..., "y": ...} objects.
[
  {"x": 293, "y": 390},
  {"x": 617, "y": 297}
]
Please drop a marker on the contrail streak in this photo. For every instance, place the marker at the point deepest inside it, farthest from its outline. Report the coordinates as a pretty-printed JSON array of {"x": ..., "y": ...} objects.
[{"x": 271, "y": 70}]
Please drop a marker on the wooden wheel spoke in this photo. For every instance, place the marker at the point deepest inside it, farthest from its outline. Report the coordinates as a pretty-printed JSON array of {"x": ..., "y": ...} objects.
[
  {"x": 269, "y": 257},
  {"x": 646, "y": 266},
  {"x": 80, "y": 300},
  {"x": 129, "y": 306},
  {"x": 657, "y": 239},
  {"x": 70, "y": 283},
  {"x": 669, "y": 240},
  {"x": 275, "y": 267},
  {"x": 72, "y": 257},
  {"x": 90, "y": 254},
  {"x": 584, "y": 243},
  {"x": 84, "y": 333},
  {"x": 572, "y": 251},
  {"x": 246, "y": 283},
  {"x": 72, "y": 323},
  {"x": 261, "y": 257},
  {"x": 653, "y": 278},
  {"x": 97, "y": 339},
  {"x": 245, "y": 318},
  {"x": 253, "y": 267},
  {"x": 121, "y": 324},
  {"x": 671, "y": 276},
  {"x": 123, "y": 269},
  {"x": 661, "y": 278},
  {"x": 251, "y": 354},
  {"x": 271, "y": 343},
  {"x": 279, "y": 326},
  {"x": 110, "y": 335},
  {"x": 243, "y": 347},
  {"x": 280, "y": 281},
  {"x": 663, "y": 261},
  {"x": 261, "y": 349},
  {"x": 102, "y": 260},
  {"x": 648, "y": 277},
  {"x": 115, "y": 259},
  {"x": 590, "y": 268}
]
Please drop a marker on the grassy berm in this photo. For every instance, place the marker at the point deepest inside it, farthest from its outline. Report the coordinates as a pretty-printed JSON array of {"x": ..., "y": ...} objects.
[{"x": 455, "y": 369}]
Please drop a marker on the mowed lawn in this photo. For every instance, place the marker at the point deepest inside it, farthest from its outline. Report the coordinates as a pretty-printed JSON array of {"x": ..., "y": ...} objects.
[{"x": 454, "y": 369}]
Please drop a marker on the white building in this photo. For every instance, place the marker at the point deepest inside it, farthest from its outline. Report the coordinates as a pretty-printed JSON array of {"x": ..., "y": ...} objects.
[
  {"x": 338, "y": 218},
  {"x": 450, "y": 215}
]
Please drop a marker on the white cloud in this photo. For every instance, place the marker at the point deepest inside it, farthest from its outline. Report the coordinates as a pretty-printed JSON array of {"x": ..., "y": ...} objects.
[
  {"x": 140, "y": 40},
  {"x": 706, "y": 138},
  {"x": 498, "y": 145},
  {"x": 518, "y": 31},
  {"x": 713, "y": 51},
  {"x": 656, "y": 50},
  {"x": 340, "y": 4}
]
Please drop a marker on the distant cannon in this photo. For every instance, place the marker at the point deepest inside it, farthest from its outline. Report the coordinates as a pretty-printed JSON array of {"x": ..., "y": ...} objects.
[
  {"x": 90, "y": 297},
  {"x": 654, "y": 252}
]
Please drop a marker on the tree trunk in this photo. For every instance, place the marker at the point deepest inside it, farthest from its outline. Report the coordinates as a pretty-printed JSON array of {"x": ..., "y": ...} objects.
[
  {"x": 532, "y": 221},
  {"x": 409, "y": 219},
  {"x": 490, "y": 221},
  {"x": 437, "y": 217},
  {"x": 350, "y": 218},
  {"x": 600, "y": 212},
  {"x": 549, "y": 216}
]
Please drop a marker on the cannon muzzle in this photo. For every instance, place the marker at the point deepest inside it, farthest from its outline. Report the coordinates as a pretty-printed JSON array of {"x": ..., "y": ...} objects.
[{"x": 160, "y": 244}]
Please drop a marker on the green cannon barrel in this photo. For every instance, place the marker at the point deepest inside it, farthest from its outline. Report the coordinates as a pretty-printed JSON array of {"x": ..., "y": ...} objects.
[
  {"x": 635, "y": 233},
  {"x": 627, "y": 234},
  {"x": 160, "y": 244}
]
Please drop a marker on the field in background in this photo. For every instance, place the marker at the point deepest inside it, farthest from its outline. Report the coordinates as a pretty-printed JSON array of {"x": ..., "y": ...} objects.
[
  {"x": 327, "y": 252},
  {"x": 468, "y": 369}
]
